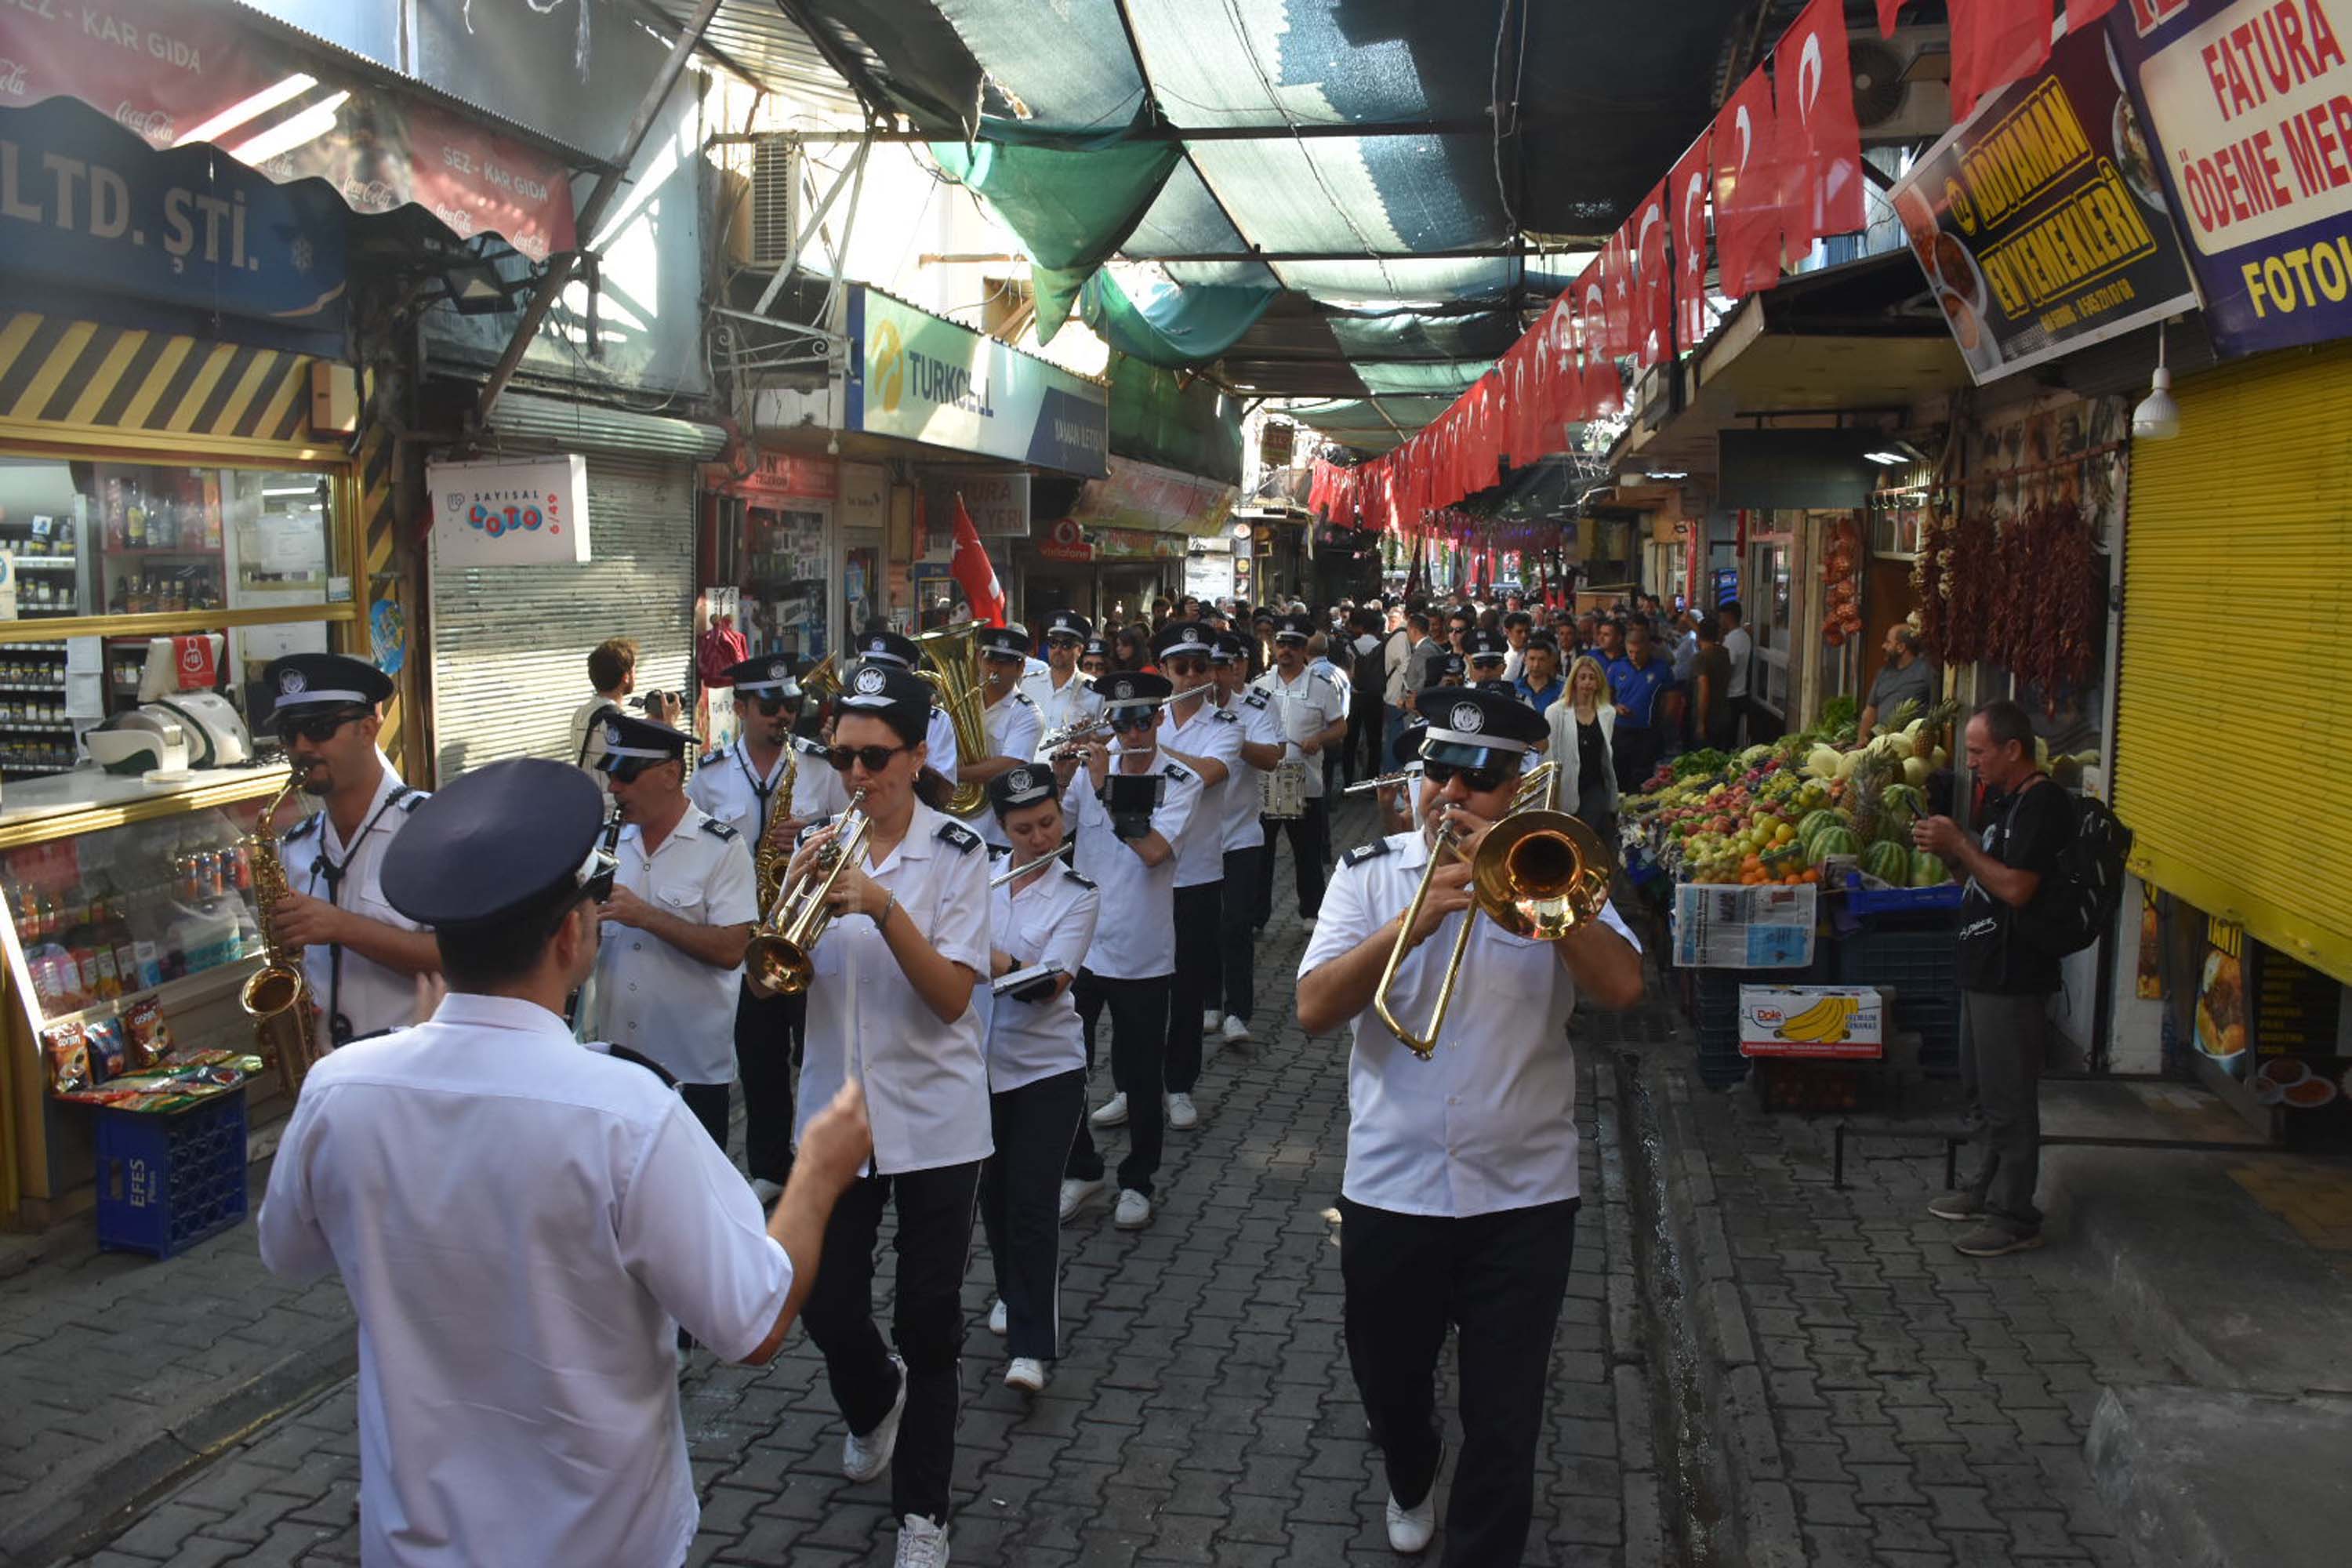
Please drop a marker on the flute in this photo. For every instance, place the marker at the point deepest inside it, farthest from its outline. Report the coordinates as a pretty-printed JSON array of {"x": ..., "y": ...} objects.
[
  {"x": 1386, "y": 781},
  {"x": 1003, "y": 877}
]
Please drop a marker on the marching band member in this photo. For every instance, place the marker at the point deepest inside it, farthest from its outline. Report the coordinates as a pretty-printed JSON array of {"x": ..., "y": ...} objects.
[
  {"x": 1244, "y": 835},
  {"x": 359, "y": 955},
  {"x": 1313, "y": 716},
  {"x": 1094, "y": 659},
  {"x": 1396, "y": 801},
  {"x": 1062, "y": 694},
  {"x": 891, "y": 1004},
  {"x": 1487, "y": 656},
  {"x": 520, "y": 1223},
  {"x": 1010, "y": 716},
  {"x": 681, "y": 908},
  {"x": 1207, "y": 739},
  {"x": 1036, "y": 1066},
  {"x": 879, "y": 647},
  {"x": 1458, "y": 1203},
  {"x": 738, "y": 787},
  {"x": 1130, "y": 806}
]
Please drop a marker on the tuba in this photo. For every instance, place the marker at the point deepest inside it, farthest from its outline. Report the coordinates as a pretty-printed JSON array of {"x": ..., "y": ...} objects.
[
  {"x": 1540, "y": 873},
  {"x": 955, "y": 678},
  {"x": 823, "y": 681},
  {"x": 276, "y": 996},
  {"x": 781, "y": 954}
]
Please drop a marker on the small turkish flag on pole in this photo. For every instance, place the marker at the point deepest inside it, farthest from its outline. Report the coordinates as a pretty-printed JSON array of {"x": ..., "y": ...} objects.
[{"x": 973, "y": 572}]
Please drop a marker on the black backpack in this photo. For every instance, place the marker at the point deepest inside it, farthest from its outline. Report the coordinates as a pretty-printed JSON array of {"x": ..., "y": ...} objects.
[{"x": 2077, "y": 899}]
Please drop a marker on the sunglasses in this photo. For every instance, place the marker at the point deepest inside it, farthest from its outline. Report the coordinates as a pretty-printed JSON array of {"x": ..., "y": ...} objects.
[
  {"x": 316, "y": 729},
  {"x": 1477, "y": 781},
  {"x": 873, "y": 759},
  {"x": 1182, "y": 665},
  {"x": 1143, "y": 721},
  {"x": 629, "y": 770},
  {"x": 1053, "y": 641},
  {"x": 772, "y": 706}
]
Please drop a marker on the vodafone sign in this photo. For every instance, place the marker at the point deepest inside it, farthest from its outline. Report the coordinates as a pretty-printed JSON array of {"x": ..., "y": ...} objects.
[{"x": 1065, "y": 541}]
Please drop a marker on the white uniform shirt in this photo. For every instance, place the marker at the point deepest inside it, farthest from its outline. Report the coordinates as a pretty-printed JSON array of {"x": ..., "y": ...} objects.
[
  {"x": 588, "y": 740},
  {"x": 658, "y": 1000},
  {"x": 1515, "y": 663},
  {"x": 370, "y": 997},
  {"x": 1308, "y": 706},
  {"x": 1013, "y": 733},
  {"x": 522, "y": 1224},
  {"x": 1051, "y": 921},
  {"x": 1057, "y": 708},
  {"x": 1488, "y": 1123},
  {"x": 926, "y": 1082},
  {"x": 1741, "y": 647},
  {"x": 1261, "y": 725},
  {"x": 941, "y": 742},
  {"x": 1138, "y": 941},
  {"x": 1210, "y": 733},
  {"x": 726, "y": 785}
]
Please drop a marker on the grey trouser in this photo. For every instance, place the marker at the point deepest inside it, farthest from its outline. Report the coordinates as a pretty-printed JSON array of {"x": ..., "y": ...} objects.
[{"x": 2003, "y": 1042}]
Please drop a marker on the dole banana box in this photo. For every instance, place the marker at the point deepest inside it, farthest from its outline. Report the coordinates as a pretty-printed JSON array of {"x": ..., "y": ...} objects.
[{"x": 1812, "y": 1021}]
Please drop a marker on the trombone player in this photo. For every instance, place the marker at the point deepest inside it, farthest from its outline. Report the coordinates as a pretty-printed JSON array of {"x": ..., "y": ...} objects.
[{"x": 1458, "y": 1202}]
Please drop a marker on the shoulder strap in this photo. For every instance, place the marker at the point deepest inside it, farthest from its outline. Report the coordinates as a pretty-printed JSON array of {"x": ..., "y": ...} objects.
[{"x": 588, "y": 733}]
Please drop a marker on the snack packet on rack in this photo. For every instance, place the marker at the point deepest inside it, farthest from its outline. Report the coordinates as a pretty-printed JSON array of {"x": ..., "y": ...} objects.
[
  {"x": 108, "y": 1059},
  {"x": 67, "y": 1054},
  {"x": 148, "y": 1035}
]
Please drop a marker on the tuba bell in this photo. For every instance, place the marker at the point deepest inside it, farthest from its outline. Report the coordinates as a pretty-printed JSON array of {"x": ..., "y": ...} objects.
[
  {"x": 823, "y": 681},
  {"x": 954, "y": 678}
]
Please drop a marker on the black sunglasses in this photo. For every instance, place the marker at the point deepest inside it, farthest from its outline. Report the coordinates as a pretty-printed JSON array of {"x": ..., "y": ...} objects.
[
  {"x": 629, "y": 770},
  {"x": 772, "y": 706},
  {"x": 873, "y": 759},
  {"x": 1056, "y": 639},
  {"x": 1143, "y": 721},
  {"x": 1184, "y": 664},
  {"x": 1477, "y": 781},
  {"x": 318, "y": 728}
]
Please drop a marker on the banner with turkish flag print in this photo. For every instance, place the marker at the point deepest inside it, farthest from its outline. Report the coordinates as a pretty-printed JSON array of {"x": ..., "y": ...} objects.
[
  {"x": 1652, "y": 289},
  {"x": 1687, "y": 187},
  {"x": 973, "y": 572},
  {"x": 1994, "y": 42},
  {"x": 1746, "y": 190},
  {"x": 1623, "y": 337},
  {"x": 1820, "y": 148}
]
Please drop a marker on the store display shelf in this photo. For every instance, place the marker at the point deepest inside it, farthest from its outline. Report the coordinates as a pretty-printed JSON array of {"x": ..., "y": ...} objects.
[
  {"x": 132, "y": 552},
  {"x": 179, "y": 995},
  {"x": 34, "y": 770},
  {"x": 59, "y": 725},
  {"x": 32, "y": 648},
  {"x": 47, "y": 563},
  {"x": 32, "y": 686}
]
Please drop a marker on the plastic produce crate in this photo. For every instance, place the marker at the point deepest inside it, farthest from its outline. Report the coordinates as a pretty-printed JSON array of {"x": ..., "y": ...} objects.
[
  {"x": 1921, "y": 969},
  {"x": 1868, "y": 901},
  {"x": 1713, "y": 1006},
  {"x": 166, "y": 1181}
]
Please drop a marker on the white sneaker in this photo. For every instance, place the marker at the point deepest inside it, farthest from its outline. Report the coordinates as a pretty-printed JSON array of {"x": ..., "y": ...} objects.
[
  {"x": 1236, "y": 1030},
  {"x": 1134, "y": 1211},
  {"x": 1182, "y": 1115},
  {"x": 921, "y": 1544},
  {"x": 1026, "y": 1373},
  {"x": 1307, "y": 922},
  {"x": 863, "y": 1459},
  {"x": 1076, "y": 1190},
  {"x": 996, "y": 1319},
  {"x": 1112, "y": 1113},
  {"x": 1210, "y": 1019},
  {"x": 766, "y": 1191},
  {"x": 1409, "y": 1529}
]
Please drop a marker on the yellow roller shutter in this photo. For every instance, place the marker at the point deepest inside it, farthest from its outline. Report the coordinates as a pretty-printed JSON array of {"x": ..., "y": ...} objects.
[{"x": 2233, "y": 733}]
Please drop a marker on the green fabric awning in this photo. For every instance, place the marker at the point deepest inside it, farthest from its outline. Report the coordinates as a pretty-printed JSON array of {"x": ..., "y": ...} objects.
[
  {"x": 1171, "y": 327},
  {"x": 1158, "y": 418}
]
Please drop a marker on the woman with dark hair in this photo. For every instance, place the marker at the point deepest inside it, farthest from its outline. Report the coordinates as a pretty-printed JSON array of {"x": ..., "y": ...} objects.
[
  {"x": 1131, "y": 650},
  {"x": 891, "y": 1006}
]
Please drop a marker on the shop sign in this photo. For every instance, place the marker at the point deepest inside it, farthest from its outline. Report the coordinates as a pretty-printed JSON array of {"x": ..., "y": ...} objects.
[
  {"x": 2040, "y": 219},
  {"x": 1065, "y": 541},
  {"x": 2251, "y": 103},
  {"x": 1145, "y": 495},
  {"x": 788, "y": 476},
  {"x": 85, "y": 205},
  {"x": 1137, "y": 545},
  {"x": 865, "y": 496},
  {"x": 997, "y": 502},
  {"x": 528, "y": 513},
  {"x": 922, "y": 378}
]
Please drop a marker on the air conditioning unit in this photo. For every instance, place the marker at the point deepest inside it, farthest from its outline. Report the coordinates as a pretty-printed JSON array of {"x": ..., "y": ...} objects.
[
  {"x": 775, "y": 226},
  {"x": 1902, "y": 85}
]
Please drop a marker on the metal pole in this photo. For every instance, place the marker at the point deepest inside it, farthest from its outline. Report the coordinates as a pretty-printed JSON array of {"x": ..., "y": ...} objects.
[
  {"x": 560, "y": 269},
  {"x": 816, "y": 221}
]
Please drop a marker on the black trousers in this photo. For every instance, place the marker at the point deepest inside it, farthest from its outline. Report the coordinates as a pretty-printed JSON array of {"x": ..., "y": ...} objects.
[
  {"x": 1138, "y": 1069},
  {"x": 1020, "y": 1195},
  {"x": 927, "y": 1323},
  {"x": 1366, "y": 717},
  {"x": 2003, "y": 1042},
  {"x": 708, "y": 1103},
  {"x": 1193, "y": 989},
  {"x": 1310, "y": 835},
  {"x": 1237, "y": 957},
  {"x": 1499, "y": 1280},
  {"x": 1635, "y": 748},
  {"x": 767, "y": 1059}
]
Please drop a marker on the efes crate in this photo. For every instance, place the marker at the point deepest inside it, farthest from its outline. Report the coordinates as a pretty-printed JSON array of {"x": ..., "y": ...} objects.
[{"x": 166, "y": 1181}]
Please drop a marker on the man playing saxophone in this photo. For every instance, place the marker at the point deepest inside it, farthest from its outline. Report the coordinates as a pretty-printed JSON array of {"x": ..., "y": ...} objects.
[
  {"x": 359, "y": 955},
  {"x": 1012, "y": 719}
]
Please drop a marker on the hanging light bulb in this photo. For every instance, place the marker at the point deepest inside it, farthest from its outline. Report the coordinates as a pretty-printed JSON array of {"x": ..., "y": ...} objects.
[{"x": 2158, "y": 417}]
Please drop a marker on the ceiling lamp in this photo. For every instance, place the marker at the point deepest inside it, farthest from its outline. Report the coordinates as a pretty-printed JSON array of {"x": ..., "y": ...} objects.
[{"x": 2158, "y": 417}]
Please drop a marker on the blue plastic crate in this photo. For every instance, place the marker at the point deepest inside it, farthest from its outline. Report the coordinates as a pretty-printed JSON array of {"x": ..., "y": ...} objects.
[
  {"x": 166, "y": 1181},
  {"x": 1864, "y": 900},
  {"x": 1922, "y": 968}
]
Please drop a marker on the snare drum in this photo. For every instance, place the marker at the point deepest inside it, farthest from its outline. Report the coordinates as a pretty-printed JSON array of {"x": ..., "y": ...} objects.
[{"x": 1282, "y": 790}]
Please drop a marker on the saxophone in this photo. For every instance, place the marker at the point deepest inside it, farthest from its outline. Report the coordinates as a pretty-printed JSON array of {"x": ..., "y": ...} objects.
[
  {"x": 774, "y": 851},
  {"x": 276, "y": 996}
]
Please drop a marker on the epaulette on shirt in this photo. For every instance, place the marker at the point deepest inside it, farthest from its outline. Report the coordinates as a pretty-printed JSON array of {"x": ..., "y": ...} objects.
[
  {"x": 812, "y": 827},
  {"x": 623, "y": 1054},
  {"x": 1178, "y": 772},
  {"x": 1363, "y": 852},
  {"x": 717, "y": 829},
  {"x": 304, "y": 827},
  {"x": 410, "y": 800},
  {"x": 1226, "y": 715},
  {"x": 711, "y": 759},
  {"x": 958, "y": 838},
  {"x": 1023, "y": 699},
  {"x": 1082, "y": 881},
  {"x": 807, "y": 747},
  {"x": 1257, "y": 698}
]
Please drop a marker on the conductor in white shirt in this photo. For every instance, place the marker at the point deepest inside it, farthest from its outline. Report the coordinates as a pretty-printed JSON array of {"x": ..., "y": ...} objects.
[
  {"x": 1458, "y": 1203},
  {"x": 523, "y": 1223}
]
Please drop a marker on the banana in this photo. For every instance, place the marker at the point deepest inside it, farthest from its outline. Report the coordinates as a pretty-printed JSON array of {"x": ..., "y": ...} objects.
[{"x": 1800, "y": 1027}]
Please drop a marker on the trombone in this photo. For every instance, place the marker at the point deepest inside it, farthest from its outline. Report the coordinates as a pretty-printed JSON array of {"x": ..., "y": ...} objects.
[
  {"x": 1003, "y": 877},
  {"x": 1539, "y": 873},
  {"x": 781, "y": 954}
]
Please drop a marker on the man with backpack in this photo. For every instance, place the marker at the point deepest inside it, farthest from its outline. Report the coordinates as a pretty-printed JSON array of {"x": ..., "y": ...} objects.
[{"x": 2018, "y": 918}]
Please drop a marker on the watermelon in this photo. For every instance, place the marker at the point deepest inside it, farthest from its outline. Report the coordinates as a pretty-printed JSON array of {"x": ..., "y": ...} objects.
[
  {"x": 1815, "y": 821},
  {"x": 1890, "y": 863},
  {"x": 1928, "y": 870},
  {"x": 1829, "y": 841},
  {"x": 1904, "y": 800}
]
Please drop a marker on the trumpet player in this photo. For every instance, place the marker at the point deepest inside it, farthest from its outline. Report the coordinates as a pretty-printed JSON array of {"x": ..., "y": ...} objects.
[
  {"x": 1207, "y": 739},
  {"x": 359, "y": 955},
  {"x": 1458, "y": 1202},
  {"x": 891, "y": 1006},
  {"x": 879, "y": 645},
  {"x": 1010, "y": 717}
]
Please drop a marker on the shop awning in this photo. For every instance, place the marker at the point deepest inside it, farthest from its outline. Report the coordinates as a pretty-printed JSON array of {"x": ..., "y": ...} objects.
[
  {"x": 180, "y": 73},
  {"x": 1147, "y": 496}
]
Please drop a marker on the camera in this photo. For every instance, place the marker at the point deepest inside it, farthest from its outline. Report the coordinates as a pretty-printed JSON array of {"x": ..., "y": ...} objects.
[{"x": 1130, "y": 799}]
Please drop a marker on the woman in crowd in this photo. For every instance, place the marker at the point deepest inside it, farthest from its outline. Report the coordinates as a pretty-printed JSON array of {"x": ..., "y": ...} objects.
[{"x": 1583, "y": 728}]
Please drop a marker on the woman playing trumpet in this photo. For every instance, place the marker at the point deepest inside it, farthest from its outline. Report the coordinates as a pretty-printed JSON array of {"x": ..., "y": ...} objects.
[{"x": 891, "y": 1004}]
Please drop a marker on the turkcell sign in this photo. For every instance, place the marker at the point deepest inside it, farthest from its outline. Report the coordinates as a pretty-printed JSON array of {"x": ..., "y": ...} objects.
[
  {"x": 533, "y": 512},
  {"x": 923, "y": 378}
]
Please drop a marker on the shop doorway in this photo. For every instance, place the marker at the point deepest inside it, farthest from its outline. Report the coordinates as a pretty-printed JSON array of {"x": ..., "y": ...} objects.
[{"x": 863, "y": 595}]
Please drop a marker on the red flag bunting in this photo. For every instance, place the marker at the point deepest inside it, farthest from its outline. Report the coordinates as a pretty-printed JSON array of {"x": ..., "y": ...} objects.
[
  {"x": 1994, "y": 42},
  {"x": 1746, "y": 190},
  {"x": 1689, "y": 186},
  {"x": 1819, "y": 147},
  {"x": 1652, "y": 289},
  {"x": 1623, "y": 338},
  {"x": 973, "y": 572}
]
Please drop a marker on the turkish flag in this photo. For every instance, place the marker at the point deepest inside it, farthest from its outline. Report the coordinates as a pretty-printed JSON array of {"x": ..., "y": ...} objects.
[
  {"x": 1820, "y": 142},
  {"x": 1624, "y": 333},
  {"x": 1688, "y": 188},
  {"x": 1600, "y": 390},
  {"x": 1652, "y": 289},
  {"x": 1994, "y": 42},
  {"x": 973, "y": 572},
  {"x": 1746, "y": 190}
]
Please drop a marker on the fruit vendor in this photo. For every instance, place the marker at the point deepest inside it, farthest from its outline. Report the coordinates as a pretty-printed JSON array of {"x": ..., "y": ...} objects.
[{"x": 1905, "y": 675}]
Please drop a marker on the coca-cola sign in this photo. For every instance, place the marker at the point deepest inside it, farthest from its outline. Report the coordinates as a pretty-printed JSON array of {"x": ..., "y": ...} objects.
[{"x": 13, "y": 78}]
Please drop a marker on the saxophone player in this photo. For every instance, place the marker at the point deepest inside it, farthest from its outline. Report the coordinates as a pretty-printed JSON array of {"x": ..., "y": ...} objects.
[
  {"x": 359, "y": 955},
  {"x": 1012, "y": 720}
]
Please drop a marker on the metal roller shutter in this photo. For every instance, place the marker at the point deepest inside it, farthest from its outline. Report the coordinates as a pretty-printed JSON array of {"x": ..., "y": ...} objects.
[
  {"x": 511, "y": 643},
  {"x": 2236, "y": 684}
]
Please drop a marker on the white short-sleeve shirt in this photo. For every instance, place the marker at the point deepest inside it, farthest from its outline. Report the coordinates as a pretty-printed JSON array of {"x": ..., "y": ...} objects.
[
  {"x": 1051, "y": 921},
  {"x": 663, "y": 1004},
  {"x": 1261, "y": 725},
  {"x": 1136, "y": 940},
  {"x": 1489, "y": 1122},
  {"x": 1307, "y": 706},
  {"x": 1013, "y": 731},
  {"x": 1211, "y": 733},
  {"x": 940, "y": 743},
  {"x": 1059, "y": 706},
  {"x": 728, "y": 785},
  {"x": 522, "y": 1224},
  {"x": 926, "y": 1082},
  {"x": 370, "y": 997}
]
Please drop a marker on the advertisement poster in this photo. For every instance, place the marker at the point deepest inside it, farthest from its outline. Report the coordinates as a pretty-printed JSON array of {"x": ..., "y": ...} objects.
[
  {"x": 533, "y": 512},
  {"x": 2250, "y": 102},
  {"x": 2040, "y": 220},
  {"x": 929, "y": 379}
]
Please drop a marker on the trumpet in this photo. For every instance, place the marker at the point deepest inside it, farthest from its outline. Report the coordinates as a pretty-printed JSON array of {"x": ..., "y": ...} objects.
[
  {"x": 781, "y": 954},
  {"x": 1539, "y": 873},
  {"x": 1018, "y": 872},
  {"x": 1396, "y": 780}
]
